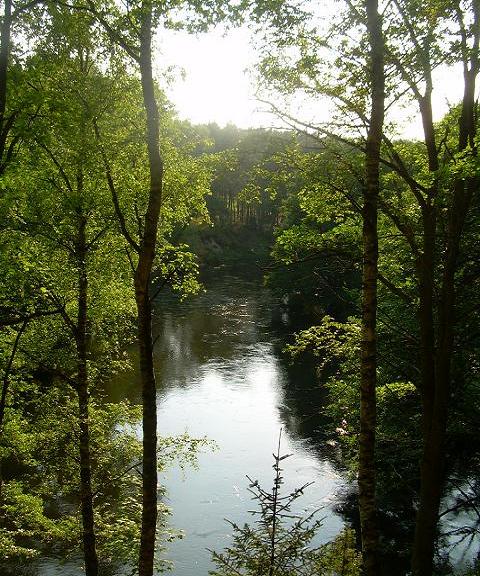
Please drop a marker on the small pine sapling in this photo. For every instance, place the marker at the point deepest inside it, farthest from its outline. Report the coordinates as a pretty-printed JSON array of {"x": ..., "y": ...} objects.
[{"x": 279, "y": 543}]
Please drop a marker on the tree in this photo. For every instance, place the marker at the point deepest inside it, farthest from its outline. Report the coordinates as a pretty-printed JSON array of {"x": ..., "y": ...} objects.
[
  {"x": 419, "y": 40},
  {"x": 136, "y": 40},
  {"x": 434, "y": 191},
  {"x": 281, "y": 542},
  {"x": 368, "y": 368},
  {"x": 64, "y": 164},
  {"x": 132, "y": 29},
  {"x": 13, "y": 109},
  {"x": 438, "y": 318}
]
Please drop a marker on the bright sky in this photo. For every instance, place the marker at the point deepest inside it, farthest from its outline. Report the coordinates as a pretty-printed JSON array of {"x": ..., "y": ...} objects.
[{"x": 217, "y": 87}]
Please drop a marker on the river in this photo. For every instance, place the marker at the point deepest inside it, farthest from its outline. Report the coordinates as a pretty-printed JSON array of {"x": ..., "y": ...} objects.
[{"x": 222, "y": 375}]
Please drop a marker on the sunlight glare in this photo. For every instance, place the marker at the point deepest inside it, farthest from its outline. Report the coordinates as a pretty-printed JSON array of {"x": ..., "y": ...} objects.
[{"x": 216, "y": 86}]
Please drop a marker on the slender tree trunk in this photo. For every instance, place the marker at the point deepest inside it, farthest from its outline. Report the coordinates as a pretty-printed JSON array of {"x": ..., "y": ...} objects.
[
  {"x": 366, "y": 471},
  {"x": 435, "y": 395},
  {"x": 7, "y": 372},
  {"x": 430, "y": 478},
  {"x": 86, "y": 495},
  {"x": 425, "y": 273},
  {"x": 142, "y": 277},
  {"x": 274, "y": 509},
  {"x": 5, "y": 123},
  {"x": 142, "y": 284},
  {"x": 149, "y": 499},
  {"x": 436, "y": 389},
  {"x": 4, "y": 54},
  {"x": 4, "y": 393},
  {"x": 431, "y": 481}
]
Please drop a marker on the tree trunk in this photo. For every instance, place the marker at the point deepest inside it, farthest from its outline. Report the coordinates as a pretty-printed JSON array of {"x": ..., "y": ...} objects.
[
  {"x": 142, "y": 284},
  {"x": 437, "y": 357},
  {"x": 435, "y": 416},
  {"x": 366, "y": 470},
  {"x": 425, "y": 273},
  {"x": 142, "y": 277},
  {"x": 4, "y": 54},
  {"x": 86, "y": 496},
  {"x": 5, "y": 124},
  {"x": 4, "y": 393},
  {"x": 149, "y": 499}
]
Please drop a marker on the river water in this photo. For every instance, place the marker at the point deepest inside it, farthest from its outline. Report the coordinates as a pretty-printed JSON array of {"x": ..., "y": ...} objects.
[{"x": 221, "y": 374}]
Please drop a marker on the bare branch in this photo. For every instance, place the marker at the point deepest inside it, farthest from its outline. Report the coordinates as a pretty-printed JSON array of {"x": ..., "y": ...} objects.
[
  {"x": 57, "y": 164},
  {"x": 395, "y": 289},
  {"x": 6, "y": 374}
]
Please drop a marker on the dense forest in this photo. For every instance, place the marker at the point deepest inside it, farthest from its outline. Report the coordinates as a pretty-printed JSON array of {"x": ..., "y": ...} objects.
[{"x": 368, "y": 240}]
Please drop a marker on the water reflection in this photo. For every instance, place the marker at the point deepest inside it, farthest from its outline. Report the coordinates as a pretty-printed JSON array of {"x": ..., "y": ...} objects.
[{"x": 222, "y": 376}]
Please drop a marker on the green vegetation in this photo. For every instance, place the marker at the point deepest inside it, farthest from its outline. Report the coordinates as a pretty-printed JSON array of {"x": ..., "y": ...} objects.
[
  {"x": 280, "y": 542},
  {"x": 371, "y": 241}
]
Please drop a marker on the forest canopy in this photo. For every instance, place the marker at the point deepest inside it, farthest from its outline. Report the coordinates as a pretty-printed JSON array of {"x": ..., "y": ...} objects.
[{"x": 369, "y": 239}]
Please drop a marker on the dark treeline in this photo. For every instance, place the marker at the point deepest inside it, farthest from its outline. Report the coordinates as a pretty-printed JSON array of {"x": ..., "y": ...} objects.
[{"x": 240, "y": 196}]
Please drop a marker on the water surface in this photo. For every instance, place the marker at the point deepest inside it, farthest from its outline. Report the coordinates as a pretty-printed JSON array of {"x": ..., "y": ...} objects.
[{"x": 222, "y": 375}]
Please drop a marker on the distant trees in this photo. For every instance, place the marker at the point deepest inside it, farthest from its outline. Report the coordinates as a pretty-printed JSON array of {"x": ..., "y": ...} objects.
[{"x": 242, "y": 192}]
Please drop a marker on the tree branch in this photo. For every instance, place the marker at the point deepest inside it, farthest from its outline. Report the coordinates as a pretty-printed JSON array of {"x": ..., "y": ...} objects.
[{"x": 113, "y": 191}]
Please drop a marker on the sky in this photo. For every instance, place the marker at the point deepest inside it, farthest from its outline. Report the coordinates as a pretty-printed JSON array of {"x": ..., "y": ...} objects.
[{"x": 217, "y": 86}]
